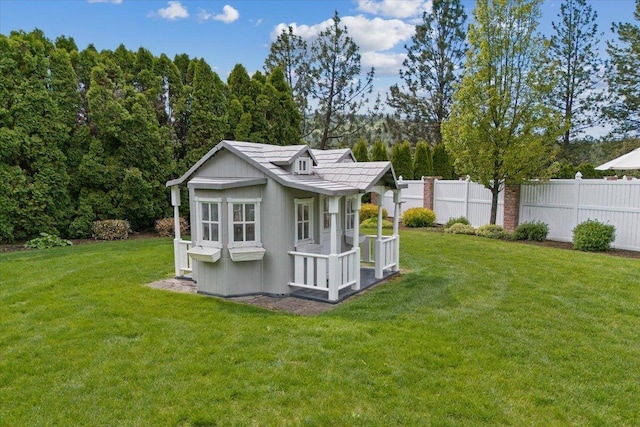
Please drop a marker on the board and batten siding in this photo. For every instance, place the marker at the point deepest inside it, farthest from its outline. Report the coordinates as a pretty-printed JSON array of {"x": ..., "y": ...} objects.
[{"x": 562, "y": 204}]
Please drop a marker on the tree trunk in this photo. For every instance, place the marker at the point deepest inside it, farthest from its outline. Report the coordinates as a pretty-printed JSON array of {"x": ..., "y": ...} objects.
[{"x": 495, "y": 191}]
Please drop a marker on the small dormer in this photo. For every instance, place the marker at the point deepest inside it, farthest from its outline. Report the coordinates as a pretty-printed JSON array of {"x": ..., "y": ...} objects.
[{"x": 303, "y": 165}]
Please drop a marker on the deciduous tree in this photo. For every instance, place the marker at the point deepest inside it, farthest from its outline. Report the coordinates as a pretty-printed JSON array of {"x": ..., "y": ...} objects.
[{"x": 501, "y": 129}]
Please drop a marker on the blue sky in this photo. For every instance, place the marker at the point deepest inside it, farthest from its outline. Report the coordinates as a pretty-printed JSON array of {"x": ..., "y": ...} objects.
[{"x": 228, "y": 32}]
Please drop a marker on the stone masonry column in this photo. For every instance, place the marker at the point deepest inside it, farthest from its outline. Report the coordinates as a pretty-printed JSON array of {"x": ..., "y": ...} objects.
[
  {"x": 428, "y": 188},
  {"x": 511, "y": 206}
]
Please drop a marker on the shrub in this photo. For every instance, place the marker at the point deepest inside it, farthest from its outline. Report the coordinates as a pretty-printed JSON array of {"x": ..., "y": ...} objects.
[
  {"x": 537, "y": 231},
  {"x": 459, "y": 220},
  {"x": 373, "y": 223},
  {"x": 418, "y": 217},
  {"x": 111, "y": 229},
  {"x": 492, "y": 231},
  {"x": 593, "y": 236},
  {"x": 369, "y": 210},
  {"x": 46, "y": 241},
  {"x": 460, "y": 228},
  {"x": 164, "y": 227}
]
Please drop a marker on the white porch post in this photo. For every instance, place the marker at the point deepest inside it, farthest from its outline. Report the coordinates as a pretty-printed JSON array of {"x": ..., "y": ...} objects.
[
  {"x": 379, "y": 248},
  {"x": 175, "y": 202},
  {"x": 396, "y": 220},
  {"x": 334, "y": 271},
  {"x": 357, "y": 204}
]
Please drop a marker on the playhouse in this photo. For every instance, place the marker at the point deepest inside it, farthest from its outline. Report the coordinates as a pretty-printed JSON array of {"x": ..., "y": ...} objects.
[{"x": 283, "y": 220}]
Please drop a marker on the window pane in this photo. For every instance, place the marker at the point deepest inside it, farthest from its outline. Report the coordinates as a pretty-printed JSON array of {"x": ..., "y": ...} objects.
[
  {"x": 250, "y": 212},
  {"x": 305, "y": 232},
  {"x": 299, "y": 213},
  {"x": 205, "y": 212},
  {"x": 305, "y": 214},
  {"x": 238, "y": 235},
  {"x": 205, "y": 232},
  {"x": 214, "y": 212},
  {"x": 237, "y": 212},
  {"x": 300, "y": 235},
  {"x": 214, "y": 233},
  {"x": 251, "y": 233}
]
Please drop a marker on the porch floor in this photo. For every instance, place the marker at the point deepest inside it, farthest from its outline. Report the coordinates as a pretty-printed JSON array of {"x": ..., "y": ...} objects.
[{"x": 367, "y": 279}]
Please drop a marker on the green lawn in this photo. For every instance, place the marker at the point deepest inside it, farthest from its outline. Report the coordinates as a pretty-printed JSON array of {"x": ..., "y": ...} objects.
[{"x": 476, "y": 332}]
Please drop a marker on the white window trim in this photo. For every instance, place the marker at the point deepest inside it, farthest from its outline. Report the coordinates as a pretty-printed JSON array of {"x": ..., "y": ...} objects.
[
  {"x": 253, "y": 243},
  {"x": 296, "y": 203},
  {"x": 323, "y": 200},
  {"x": 349, "y": 201},
  {"x": 306, "y": 170},
  {"x": 200, "y": 241}
]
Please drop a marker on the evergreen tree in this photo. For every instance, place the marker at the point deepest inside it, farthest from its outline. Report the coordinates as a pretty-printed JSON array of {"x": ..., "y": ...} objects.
[
  {"x": 402, "y": 160},
  {"x": 442, "y": 165},
  {"x": 573, "y": 47},
  {"x": 360, "y": 151},
  {"x": 501, "y": 129},
  {"x": 289, "y": 52},
  {"x": 34, "y": 130},
  {"x": 422, "y": 161},
  {"x": 208, "y": 122},
  {"x": 379, "y": 152},
  {"x": 431, "y": 71},
  {"x": 623, "y": 76},
  {"x": 334, "y": 70}
]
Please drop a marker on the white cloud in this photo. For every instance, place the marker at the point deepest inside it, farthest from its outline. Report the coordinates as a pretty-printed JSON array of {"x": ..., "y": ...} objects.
[
  {"x": 369, "y": 34},
  {"x": 377, "y": 34},
  {"x": 395, "y": 8},
  {"x": 105, "y": 1},
  {"x": 228, "y": 15},
  {"x": 172, "y": 12},
  {"x": 385, "y": 64}
]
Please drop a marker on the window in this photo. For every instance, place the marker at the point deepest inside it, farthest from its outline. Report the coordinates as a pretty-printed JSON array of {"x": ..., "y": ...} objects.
[
  {"x": 208, "y": 218},
  {"x": 350, "y": 214},
  {"x": 244, "y": 222},
  {"x": 304, "y": 219},
  {"x": 326, "y": 216},
  {"x": 303, "y": 166}
]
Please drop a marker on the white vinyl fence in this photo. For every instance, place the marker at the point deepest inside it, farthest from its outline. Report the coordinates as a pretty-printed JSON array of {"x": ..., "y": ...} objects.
[
  {"x": 560, "y": 203},
  {"x": 564, "y": 203}
]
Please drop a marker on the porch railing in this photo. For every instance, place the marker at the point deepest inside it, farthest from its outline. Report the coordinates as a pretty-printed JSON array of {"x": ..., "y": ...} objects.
[
  {"x": 182, "y": 260},
  {"x": 388, "y": 257},
  {"x": 326, "y": 273},
  {"x": 387, "y": 249}
]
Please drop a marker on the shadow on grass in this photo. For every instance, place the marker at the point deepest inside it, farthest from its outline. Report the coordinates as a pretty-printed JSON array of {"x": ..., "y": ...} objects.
[{"x": 404, "y": 295}]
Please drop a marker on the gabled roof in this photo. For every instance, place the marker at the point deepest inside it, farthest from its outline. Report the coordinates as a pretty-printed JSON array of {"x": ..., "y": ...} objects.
[
  {"x": 333, "y": 156},
  {"x": 332, "y": 179}
]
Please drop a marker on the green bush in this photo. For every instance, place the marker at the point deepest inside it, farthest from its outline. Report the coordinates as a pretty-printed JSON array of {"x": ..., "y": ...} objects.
[
  {"x": 593, "y": 236},
  {"x": 46, "y": 241},
  {"x": 492, "y": 231},
  {"x": 537, "y": 231},
  {"x": 460, "y": 228},
  {"x": 459, "y": 220},
  {"x": 418, "y": 217},
  {"x": 111, "y": 229},
  {"x": 369, "y": 210},
  {"x": 165, "y": 227},
  {"x": 373, "y": 223}
]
